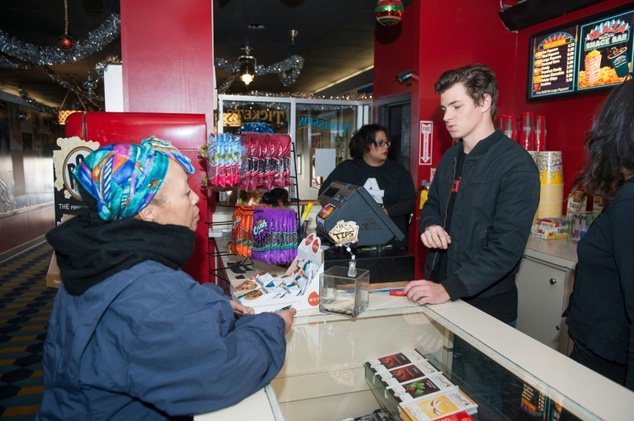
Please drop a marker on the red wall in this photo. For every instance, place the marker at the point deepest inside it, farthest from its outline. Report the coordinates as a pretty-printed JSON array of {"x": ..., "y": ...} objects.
[
  {"x": 166, "y": 48},
  {"x": 436, "y": 35}
]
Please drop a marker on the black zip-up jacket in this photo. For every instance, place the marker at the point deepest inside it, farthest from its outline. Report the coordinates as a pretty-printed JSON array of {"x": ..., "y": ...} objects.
[{"x": 492, "y": 215}]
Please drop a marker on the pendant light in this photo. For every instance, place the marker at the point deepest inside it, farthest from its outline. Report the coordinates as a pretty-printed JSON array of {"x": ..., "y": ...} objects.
[{"x": 246, "y": 65}]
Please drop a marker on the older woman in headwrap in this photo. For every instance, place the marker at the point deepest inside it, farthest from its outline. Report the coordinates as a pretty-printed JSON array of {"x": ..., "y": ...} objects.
[{"x": 131, "y": 336}]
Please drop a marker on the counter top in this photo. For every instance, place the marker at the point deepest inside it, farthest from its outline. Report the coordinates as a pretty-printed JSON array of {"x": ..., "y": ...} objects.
[
  {"x": 333, "y": 347},
  {"x": 557, "y": 252}
]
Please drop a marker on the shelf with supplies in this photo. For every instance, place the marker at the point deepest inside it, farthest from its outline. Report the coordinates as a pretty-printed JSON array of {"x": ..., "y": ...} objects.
[{"x": 254, "y": 175}]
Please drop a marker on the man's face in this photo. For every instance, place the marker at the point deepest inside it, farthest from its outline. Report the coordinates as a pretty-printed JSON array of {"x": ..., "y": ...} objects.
[
  {"x": 462, "y": 116},
  {"x": 175, "y": 203}
]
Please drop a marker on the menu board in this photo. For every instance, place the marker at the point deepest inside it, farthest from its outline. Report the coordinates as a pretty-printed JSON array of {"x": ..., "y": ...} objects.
[{"x": 585, "y": 56}]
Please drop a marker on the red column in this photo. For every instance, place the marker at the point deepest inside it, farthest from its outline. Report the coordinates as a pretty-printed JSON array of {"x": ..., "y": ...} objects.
[{"x": 167, "y": 57}]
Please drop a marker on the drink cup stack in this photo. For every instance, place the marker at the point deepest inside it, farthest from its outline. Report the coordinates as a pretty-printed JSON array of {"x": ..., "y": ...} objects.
[
  {"x": 509, "y": 128},
  {"x": 540, "y": 133},
  {"x": 551, "y": 179},
  {"x": 527, "y": 133}
]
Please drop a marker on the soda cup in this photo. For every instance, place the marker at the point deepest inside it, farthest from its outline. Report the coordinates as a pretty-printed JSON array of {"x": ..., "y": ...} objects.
[
  {"x": 540, "y": 133},
  {"x": 527, "y": 132}
]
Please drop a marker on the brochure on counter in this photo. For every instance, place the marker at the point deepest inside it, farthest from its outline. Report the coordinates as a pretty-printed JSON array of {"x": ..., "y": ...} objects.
[{"x": 297, "y": 287}]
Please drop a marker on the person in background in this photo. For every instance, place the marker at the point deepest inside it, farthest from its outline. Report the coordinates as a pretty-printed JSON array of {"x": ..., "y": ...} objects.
[
  {"x": 600, "y": 315},
  {"x": 131, "y": 336},
  {"x": 389, "y": 183},
  {"x": 480, "y": 208}
]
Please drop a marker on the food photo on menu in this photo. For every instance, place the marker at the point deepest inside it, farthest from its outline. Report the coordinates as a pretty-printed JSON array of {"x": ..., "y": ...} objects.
[{"x": 606, "y": 52}]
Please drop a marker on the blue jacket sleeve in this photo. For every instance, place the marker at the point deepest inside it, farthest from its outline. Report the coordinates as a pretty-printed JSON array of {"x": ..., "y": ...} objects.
[{"x": 198, "y": 358}]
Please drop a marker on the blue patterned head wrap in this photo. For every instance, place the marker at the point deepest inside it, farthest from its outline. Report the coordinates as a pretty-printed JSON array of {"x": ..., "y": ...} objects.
[{"x": 124, "y": 178}]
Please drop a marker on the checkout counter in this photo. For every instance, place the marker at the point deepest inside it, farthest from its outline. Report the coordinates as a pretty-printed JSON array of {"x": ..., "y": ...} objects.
[{"x": 323, "y": 376}]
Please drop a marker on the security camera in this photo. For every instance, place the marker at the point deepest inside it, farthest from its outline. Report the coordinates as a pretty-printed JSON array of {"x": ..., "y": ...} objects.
[{"x": 404, "y": 77}]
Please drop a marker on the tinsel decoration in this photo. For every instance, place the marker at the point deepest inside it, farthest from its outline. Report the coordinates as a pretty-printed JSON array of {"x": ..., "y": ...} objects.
[
  {"x": 389, "y": 12},
  {"x": 326, "y": 105},
  {"x": 89, "y": 85},
  {"x": 287, "y": 70},
  {"x": 101, "y": 66},
  {"x": 35, "y": 104},
  {"x": 21, "y": 55},
  {"x": 92, "y": 99}
]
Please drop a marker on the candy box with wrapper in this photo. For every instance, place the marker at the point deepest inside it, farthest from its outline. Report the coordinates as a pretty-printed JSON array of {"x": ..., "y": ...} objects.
[
  {"x": 297, "y": 287},
  {"x": 551, "y": 228}
]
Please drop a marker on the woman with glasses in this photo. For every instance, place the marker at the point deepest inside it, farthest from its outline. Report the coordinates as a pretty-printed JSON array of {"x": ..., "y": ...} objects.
[{"x": 389, "y": 183}]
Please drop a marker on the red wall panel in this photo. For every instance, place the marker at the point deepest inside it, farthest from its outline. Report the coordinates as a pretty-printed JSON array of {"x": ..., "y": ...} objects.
[
  {"x": 166, "y": 48},
  {"x": 167, "y": 51}
]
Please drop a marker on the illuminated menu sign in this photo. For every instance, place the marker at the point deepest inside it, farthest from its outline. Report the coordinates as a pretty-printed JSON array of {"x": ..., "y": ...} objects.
[
  {"x": 554, "y": 62},
  {"x": 590, "y": 55}
]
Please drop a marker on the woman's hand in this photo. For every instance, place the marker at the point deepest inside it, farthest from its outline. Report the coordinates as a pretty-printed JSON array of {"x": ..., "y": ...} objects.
[
  {"x": 287, "y": 315},
  {"x": 240, "y": 309}
]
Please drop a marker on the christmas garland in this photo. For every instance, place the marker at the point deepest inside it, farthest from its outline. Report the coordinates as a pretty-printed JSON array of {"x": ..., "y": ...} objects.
[{"x": 21, "y": 55}]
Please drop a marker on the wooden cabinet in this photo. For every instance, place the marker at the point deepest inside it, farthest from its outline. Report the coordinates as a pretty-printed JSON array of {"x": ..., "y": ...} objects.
[{"x": 544, "y": 284}]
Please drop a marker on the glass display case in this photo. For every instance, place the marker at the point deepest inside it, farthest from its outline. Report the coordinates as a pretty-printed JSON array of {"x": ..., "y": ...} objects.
[{"x": 323, "y": 376}]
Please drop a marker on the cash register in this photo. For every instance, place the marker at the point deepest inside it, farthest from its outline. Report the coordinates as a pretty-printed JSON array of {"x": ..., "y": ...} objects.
[{"x": 349, "y": 202}]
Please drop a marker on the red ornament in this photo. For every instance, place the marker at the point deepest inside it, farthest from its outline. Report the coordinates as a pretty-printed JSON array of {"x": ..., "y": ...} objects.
[
  {"x": 389, "y": 12},
  {"x": 66, "y": 42}
]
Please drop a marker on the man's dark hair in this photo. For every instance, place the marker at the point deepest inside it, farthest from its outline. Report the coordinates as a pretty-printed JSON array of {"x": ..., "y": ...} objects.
[{"x": 478, "y": 80}]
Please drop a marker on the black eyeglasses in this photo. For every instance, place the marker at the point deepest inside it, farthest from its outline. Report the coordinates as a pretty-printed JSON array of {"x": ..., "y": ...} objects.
[{"x": 381, "y": 143}]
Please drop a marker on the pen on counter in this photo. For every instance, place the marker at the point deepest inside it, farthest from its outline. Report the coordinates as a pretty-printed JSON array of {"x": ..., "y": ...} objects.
[
  {"x": 284, "y": 308},
  {"x": 397, "y": 293}
]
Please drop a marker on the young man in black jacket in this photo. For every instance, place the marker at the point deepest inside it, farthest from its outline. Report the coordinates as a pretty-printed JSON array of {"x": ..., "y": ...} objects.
[{"x": 481, "y": 204}]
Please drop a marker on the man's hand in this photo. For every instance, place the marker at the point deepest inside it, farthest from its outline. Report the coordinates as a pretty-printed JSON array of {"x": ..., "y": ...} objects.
[
  {"x": 426, "y": 292},
  {"x": 435, "y": 237},
  {"x": 287, "y": 315}
]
